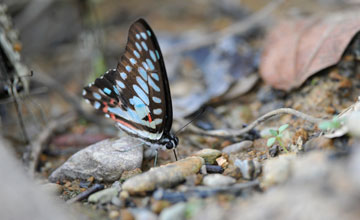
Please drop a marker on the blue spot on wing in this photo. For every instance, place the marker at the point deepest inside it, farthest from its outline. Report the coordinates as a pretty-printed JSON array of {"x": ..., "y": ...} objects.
[{"x": 107, "y": 91}]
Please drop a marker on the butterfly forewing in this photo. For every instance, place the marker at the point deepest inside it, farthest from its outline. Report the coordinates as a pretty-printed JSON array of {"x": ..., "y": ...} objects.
[{"x": 136, "y": 94}]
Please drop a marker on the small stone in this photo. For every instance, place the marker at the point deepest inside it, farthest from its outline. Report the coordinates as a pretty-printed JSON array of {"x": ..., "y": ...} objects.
[
  {"x": 214, "y": 169},
  {"x": 317, "y": 143},
  {"x": 209, "y": 155},
  {"x": 250, "y": 169},
  {"x": 52, "y": 188},
  {"x": 175, "y": 212},
  {"x": 127, "y": 174},
  {"x": 203, "y": 169},
  {"x": 116, "y": 202},
  {"x": 105, "y": 161},
  {"x": 218, "y": 180},
  {"x": 238, "y": 147},
  {"x": 274, "y": 150},
  {"x": 194, "y": 180},
  {"x": 233, "y": 172},
  {"x": 103, "y": 196},
  {"x": 277, "y": 170},
  {"x": 158, "y": 205},
  {"x": 165, "y": 176},
  {"x": 124, "y": 195},
  {"x": 116, "y": 185},
  {"x": 126, "y": 215},
  {"x": 114, "y": 214},
  {"x": 222, "y": 161},
  {"x": 143, "y": 214}
]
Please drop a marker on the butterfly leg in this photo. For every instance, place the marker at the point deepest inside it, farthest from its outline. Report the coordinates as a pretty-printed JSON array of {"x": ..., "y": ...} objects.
[
  {"x": 156, "y": 157},
  {"x": 175, "y": 154}
]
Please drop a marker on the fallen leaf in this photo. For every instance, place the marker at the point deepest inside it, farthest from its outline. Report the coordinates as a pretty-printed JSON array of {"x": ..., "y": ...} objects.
[{"x": 297, "y": 49}]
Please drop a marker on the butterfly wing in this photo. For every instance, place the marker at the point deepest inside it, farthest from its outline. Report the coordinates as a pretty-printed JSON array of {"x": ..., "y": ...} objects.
[{"x": 136, "y": 94}]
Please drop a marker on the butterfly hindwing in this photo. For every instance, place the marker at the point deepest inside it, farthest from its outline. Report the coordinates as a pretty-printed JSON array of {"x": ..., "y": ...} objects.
[{"x": 136, "y": 94}]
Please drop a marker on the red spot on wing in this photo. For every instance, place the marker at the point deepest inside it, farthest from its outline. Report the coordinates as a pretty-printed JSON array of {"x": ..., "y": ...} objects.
[
  {"x": 149, "y": 117},
  {"x": 112, "y": 116},
  {"x": 105, "y": 108}
]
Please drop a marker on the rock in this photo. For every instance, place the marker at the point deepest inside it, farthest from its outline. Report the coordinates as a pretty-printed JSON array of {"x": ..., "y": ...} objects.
[
  {"x": 318, "y": 143},
  {"x": 127, "y": 174},
  {"x": 116, "y": 185},
  {"x": 213, "y": 169},
  {"x": 203, "y": 169},
  {"x": 319, "y": 187},
  {"x": 114, "y": 214},
  {"x": 218, "y": 180},
  {"x": 222, "y": 162},
  {"x": 238, "y": 147},
  {"x": 158, "y": 205},
  {"x": 126, "y": 215},
  {"x": 143, "y": 214},
  {"x": 277, "y": 170},
  {"x": 105, "y": 161},
  {"x": 52, "y": 188},
  {"x": 209, "y": 155},
  {"x": 274, "y": 150},
  {"x": 165, "y": 176},
  {"x": 250, "y": 169},
  {"x": 103, "y": 196},
  {"x": 116, "y": 201},
  {"x": 175, "y": 212}
]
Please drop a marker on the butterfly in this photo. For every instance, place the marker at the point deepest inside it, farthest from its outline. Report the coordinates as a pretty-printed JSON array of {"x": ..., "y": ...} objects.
[{"x": 136, "y": 95}]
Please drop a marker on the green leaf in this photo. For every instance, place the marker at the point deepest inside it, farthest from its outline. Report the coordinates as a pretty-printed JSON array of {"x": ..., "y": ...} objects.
[
  {"x": 271, "y": 141},
  {"x": 325, "y": 125},
  {"x": 273, "y": 132},
  {"x": 331, "y": 124},
  {"x": 283, "y": 127}
]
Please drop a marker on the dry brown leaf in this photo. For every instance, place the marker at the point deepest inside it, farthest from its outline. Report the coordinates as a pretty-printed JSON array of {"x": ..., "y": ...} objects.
[{"x": 297, "y": 49}]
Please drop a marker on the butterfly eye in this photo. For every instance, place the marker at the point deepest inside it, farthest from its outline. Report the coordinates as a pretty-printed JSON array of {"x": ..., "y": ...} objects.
[{"x": 169, "y": 145}]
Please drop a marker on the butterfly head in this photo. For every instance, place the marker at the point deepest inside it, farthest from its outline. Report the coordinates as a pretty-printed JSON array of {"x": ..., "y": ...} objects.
[{"x": 170, "y": 141}]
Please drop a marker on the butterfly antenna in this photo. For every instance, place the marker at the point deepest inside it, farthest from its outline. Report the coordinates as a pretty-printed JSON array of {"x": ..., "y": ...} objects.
[
  {"x": 176, "y": 158},
  {"x": 202, "y": 110}
]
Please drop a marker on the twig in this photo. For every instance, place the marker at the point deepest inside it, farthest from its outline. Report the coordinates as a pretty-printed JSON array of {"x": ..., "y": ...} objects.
[
  {"x": 86, "y": 193},
  {"x": 237, "y": 28},
  {"x": 237, "y": 133},
  {"x": 38, "y": 145}
]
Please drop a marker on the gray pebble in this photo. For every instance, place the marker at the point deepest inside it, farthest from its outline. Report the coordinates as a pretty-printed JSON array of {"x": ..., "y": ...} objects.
[
  {"x": 209, "y": 155},
  {"x": 105, "y": 161},
  {"x": 103, "y": 196},
  {"x": 250, "y": 169},
  {"x": 175, "y": 212},
  {"x": 218, "y": 180}
]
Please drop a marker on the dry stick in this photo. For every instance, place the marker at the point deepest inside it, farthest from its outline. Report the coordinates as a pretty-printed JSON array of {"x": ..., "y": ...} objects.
[
  {"x": 234, "y": 29},
  {"x": 45, "y": 134},
  {"x": 86, "y": 193},
  {"x": 237, "y": 133}
]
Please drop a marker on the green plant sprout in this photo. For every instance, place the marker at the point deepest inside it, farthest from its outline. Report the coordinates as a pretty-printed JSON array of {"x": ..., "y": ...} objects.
[
  {"x": 332, "y": 124},
  {"x": 277, "y": 137}
]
